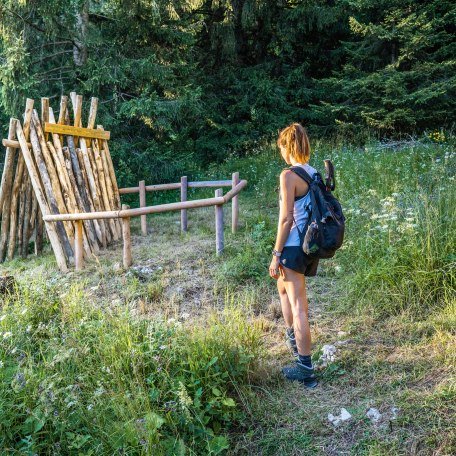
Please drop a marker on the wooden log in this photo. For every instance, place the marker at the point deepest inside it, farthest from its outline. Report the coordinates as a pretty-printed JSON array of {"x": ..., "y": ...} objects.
[
  {"x": 12, "y": 143},
  {"x": 77, "y": 132},
  {"x": 99, "y": 230},
  {"x": 93, "y": 164},
  {"x": 77, "y": 109},
  {"x": 78, "y": 246},
  {"x": 127, "y": 257},
  {"x": 62, "y": 173},
  {"x": 40, "y": 195},
  {"x": 55, "y": 188},
  {"x": 113, "y": 198},
  {"x": 69, "y": 187},
  {"x": 8, "y": 167},
  {"x": 63, "y": 110},
  {"x": 183, "y": 192},
  {"x": 142, "y": 203},
  {"x": 34, "y": 213},
  {"x": 18, "y": 183},
  {"x": 107, "y": 202},
  {"x": 22, "y": 204},
  {"x": 4, "y": 228},
  {"x": 92, "y": 112},
  {"x": 234, "y": 205},
  {"x": 208, "y": 184},
  {"x": 88, "y": 227},
  {"x": 14, "y": 206},
  {"x": 73, "y": 96},
  {"x": 176, "y": 185},
  {"x": 81, "y": 187},
  {"x": 219, "y": 241},
  {"x": 7, "y": 188},
  {"x": 39, "y": 234},
  {"x": 111, "y": 179},
  {"x": 151, "y": 188},
  {"x": 36, "y": 138},
  {"x": 152, "y": 209},
  {"x": 92, "y": 182},
  {"x": 45, "y": 114},
  {"x": 57, "y": 154},
  {"x": 112, "y": 173},
  {"x": 27, "y": 216}
]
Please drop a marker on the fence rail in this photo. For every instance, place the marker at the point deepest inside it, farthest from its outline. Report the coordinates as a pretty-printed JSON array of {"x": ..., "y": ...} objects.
[{"x": 126, "y": 213}]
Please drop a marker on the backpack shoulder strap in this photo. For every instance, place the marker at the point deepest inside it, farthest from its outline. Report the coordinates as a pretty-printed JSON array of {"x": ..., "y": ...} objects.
[{"x": 302, "y": 173}]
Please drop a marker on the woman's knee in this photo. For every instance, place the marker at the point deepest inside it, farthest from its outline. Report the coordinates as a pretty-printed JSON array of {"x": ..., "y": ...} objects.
[{"x": 281, "y": 286}]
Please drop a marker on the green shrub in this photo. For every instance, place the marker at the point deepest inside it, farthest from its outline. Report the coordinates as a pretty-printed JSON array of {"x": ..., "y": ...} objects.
[{"x": 77, "y": 380}]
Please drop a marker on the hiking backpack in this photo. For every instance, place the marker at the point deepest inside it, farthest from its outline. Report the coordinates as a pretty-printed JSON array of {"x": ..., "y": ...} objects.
[{"x": 323, "y": 233}]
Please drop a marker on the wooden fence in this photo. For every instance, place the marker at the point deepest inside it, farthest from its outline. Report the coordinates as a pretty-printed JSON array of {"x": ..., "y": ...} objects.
[
  {"x": 126, "y": 213},
  {"x": 183, "y": 185}
]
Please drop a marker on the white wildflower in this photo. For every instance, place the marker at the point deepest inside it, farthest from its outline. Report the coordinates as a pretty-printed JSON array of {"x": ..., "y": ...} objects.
[
  {"x": 99, "y": 391},
  {"x": 7, "y": 334}
]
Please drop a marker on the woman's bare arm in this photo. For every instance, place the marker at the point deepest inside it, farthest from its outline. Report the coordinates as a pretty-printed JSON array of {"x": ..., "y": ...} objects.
[{"x": 287, "y": 191}]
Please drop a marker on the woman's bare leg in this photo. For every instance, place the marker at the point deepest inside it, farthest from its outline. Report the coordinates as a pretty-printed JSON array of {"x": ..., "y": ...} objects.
[
  {"x": 285, "y": 303},
  {"x": 295, "y": 286}
]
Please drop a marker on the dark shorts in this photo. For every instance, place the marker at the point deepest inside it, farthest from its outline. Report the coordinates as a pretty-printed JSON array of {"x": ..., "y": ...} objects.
[{"x": 294, "y": 258}]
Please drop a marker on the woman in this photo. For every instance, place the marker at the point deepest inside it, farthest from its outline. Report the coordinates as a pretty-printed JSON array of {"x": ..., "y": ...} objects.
[{"x": 290, "y": 264}]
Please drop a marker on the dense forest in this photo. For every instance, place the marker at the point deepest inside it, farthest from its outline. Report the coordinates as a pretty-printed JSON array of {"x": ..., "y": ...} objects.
[{"x": 189, "y": 82}]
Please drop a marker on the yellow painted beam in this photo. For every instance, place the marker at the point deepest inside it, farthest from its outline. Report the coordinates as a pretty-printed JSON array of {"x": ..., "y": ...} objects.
[{"x": 76, "y": 131}]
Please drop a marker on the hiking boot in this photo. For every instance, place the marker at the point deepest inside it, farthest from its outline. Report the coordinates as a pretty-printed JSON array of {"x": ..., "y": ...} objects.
[
  {"x": 300, "y": 373},
  {"x": 291, "y": 342}
]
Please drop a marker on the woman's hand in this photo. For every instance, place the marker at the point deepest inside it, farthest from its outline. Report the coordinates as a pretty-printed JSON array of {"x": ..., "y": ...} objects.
[{"x": 274, "y": 267}]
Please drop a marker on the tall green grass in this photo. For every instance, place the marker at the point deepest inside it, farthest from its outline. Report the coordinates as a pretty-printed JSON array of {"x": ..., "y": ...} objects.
[
  {"x": 79, "y": 380},
  {"x": 399, "y": 253},
  {"x": 400, "y": 205}
]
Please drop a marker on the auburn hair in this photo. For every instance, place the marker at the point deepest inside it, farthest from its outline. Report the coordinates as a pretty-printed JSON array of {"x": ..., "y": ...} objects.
[{"x": 294, "y": 138}]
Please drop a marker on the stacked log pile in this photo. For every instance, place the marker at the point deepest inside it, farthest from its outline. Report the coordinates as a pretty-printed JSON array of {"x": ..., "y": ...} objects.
[{"x": 57, "y": 168}]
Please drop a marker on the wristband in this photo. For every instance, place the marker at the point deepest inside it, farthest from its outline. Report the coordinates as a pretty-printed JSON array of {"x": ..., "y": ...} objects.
[{"x": 276, "y": 253}]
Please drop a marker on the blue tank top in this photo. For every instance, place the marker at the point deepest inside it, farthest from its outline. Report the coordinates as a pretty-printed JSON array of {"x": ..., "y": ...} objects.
[{"x": 301, "y": 210}]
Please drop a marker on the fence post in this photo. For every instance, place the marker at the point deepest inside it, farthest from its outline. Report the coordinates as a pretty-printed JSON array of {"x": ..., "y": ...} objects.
[
  {"x": 219, "y": 242},
  {"x": 78, "y": 246},
  {"x": 142, "y": 203},
  {"x": 127, "y": 260},
  {"x": 234, "y": 204},
  {"x": 184, "y": 186}
]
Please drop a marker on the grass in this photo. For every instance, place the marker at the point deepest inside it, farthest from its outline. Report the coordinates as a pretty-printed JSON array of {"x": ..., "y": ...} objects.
[{"x": 86, "y": 344}]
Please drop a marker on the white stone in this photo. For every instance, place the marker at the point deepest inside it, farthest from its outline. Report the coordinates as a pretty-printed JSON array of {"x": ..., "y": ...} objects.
[
  {"x": 343, "y": 416},
  {"x": 328, "y": 355},
  {"x": 374, "y": 415}
]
